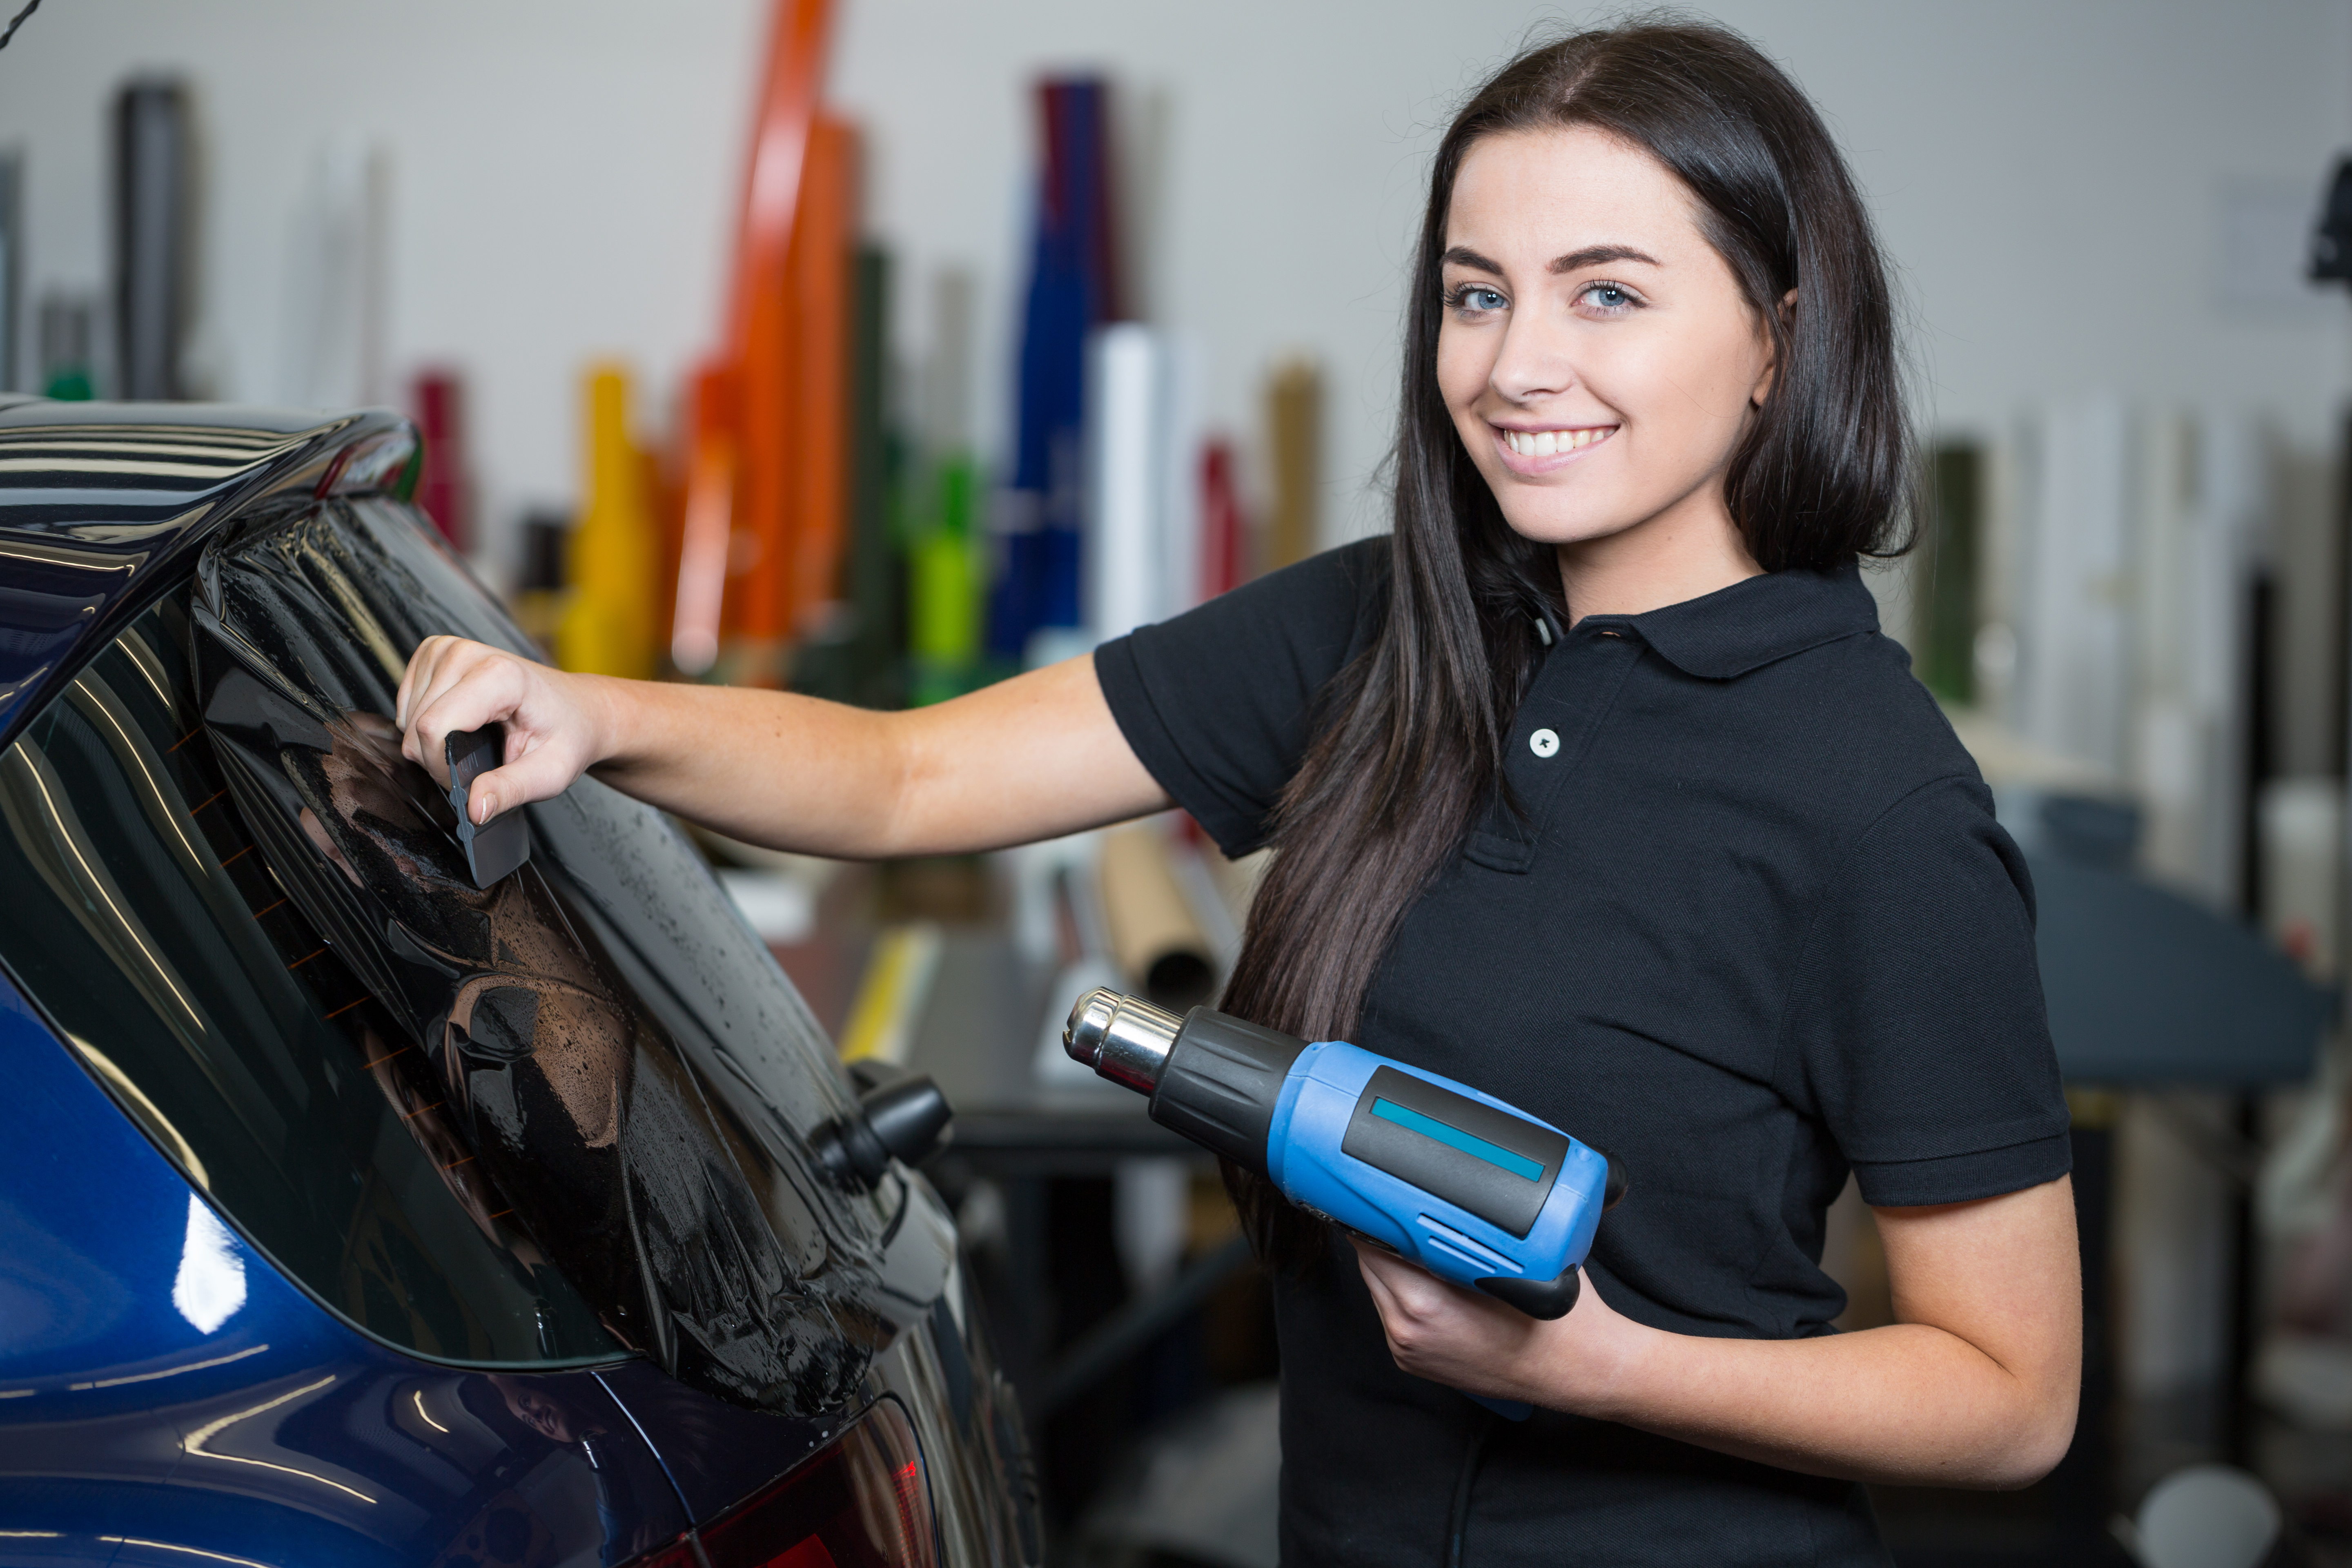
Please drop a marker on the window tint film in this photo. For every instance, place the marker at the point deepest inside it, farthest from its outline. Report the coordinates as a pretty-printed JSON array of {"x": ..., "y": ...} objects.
[
  {"x": 631, "y": 1081},
  {"x": 144, "y": 918}
]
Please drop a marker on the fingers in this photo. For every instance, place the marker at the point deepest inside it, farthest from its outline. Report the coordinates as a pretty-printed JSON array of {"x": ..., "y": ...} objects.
[
  {"x": 429, "y": 674},
  {"x": 453, "y": 685},
  {"x": 538, "y": 774},
  {"x": 436, "y": 663},
  {"x": 1374, "y": 1265},
  {"x": 1416, "y": 1307},
  {"x": 1406, "y": 1296},
  {"x": 412, "y": 679},
  {"x": 1374, "y": 1269},
  {"x": 1391, "y": 1278}
]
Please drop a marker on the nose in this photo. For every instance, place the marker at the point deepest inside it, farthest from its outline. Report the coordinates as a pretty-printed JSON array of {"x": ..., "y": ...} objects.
[{"x": 1534, "y": 361}]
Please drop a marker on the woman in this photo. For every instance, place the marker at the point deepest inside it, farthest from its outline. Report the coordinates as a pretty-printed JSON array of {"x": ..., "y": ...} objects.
[{"x": 1593, "y": 784}]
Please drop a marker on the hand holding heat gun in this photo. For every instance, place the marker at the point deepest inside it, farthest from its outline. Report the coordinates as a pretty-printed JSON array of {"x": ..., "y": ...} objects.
[{"x": 1469, "y": 1188}]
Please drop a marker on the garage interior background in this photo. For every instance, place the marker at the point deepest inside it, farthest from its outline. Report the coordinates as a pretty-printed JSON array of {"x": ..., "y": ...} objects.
[{"x": 2100, "y": 213}]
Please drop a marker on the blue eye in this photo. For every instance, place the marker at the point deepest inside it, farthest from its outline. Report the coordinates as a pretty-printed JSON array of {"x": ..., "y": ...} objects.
[
  {"x": 1608, "y": 297},
  {"x": 1477, "y": 297}
]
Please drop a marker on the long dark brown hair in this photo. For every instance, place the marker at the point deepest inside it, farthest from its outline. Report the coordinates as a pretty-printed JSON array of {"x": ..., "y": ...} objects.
[{"x": 1410, "y": 736}]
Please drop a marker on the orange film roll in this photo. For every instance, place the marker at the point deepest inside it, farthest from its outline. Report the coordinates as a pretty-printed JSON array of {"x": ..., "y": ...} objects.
[
  {"x": 759, "y": 347},
  {"x": 709, "y": 521},
  {"x": 821, "y": 289}
]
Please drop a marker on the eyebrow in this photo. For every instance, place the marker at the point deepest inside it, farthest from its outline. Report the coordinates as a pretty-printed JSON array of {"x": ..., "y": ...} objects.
[
  {"x": 1599, "y": 255},
  {"x": 1591, "y": 255}
]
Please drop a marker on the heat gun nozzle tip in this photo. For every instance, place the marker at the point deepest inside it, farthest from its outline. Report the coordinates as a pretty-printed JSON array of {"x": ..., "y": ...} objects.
[
  {"x": 1123, "y": 1039},
  {"x": 1091, "y": 1018}
]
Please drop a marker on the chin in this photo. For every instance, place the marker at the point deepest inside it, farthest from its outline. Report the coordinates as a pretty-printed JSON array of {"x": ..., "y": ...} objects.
[{"x": 1545, "y": 526}]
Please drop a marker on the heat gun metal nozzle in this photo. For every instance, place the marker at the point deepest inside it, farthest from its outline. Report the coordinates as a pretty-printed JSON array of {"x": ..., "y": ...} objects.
[
  {"x": 1213, "y": 1078},
  {"x": 1124, "y": 1040}
]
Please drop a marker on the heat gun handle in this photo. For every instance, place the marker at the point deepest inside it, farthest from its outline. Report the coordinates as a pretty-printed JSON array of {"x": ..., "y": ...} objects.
[{"x": 1544, "y": 1299}]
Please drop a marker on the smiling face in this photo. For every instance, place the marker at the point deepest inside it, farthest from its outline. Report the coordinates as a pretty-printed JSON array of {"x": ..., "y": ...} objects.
[{"x": 1597, "y": 355}]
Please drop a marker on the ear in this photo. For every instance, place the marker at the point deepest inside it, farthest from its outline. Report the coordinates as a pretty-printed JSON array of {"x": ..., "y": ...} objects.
[{"x": 1763, "y": 386}]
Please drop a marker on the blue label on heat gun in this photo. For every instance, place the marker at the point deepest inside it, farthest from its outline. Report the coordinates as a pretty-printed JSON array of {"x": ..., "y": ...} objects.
[{"x": 1454, "y": 1137}]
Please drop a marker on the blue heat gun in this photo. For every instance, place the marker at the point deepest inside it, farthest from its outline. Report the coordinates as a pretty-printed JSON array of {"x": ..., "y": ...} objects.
[{"x": 1469, "y": 1188}]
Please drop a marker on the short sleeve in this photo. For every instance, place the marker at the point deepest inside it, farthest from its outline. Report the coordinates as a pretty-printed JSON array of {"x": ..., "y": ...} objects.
[
  {"x": 1218, "y": 703},
  {"x": 1917, "y": 1031}
]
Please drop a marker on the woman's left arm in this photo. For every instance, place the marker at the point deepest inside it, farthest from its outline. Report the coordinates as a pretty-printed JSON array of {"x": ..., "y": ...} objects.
[{"x": 1974, "y": 1384}]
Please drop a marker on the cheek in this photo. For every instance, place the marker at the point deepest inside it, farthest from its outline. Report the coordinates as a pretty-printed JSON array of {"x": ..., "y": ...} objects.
[
  {"x": 1464, "y": 360},
  {"x": 1692, "y": 391}
]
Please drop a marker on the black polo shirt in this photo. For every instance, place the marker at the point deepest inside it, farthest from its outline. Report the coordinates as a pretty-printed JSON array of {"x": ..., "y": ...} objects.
[{"x": 1756, "y": 927}]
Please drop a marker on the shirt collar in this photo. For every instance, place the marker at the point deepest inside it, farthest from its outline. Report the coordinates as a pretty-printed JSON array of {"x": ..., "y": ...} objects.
[{"x": 1755, "y": 622}]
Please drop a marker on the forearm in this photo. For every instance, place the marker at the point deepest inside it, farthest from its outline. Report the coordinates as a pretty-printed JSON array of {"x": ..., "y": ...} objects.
[
  {"x": 769, "y": 767},
  {"x": 1027, "y": 758},
  {"x": 1906, "y": 1404},
  {"x": 1975, "y": 1385}
]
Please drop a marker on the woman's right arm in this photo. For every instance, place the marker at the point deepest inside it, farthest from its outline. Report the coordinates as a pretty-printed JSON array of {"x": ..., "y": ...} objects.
[{"x": 1028, "y": 758}]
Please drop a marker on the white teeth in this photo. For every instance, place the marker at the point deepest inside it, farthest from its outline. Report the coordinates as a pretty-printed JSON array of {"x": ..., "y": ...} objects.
[{"x": 1545, "y": 443}]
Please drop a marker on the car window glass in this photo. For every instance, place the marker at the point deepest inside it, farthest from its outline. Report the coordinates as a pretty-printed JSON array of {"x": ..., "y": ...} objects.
[
  {"x": 144, "y": 918},
  {"x": 634, "y": 1080},
  {"x": 627, "y": 861}
]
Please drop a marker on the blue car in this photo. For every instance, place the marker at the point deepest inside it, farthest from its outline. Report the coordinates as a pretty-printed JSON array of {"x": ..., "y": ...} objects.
[{"x": 352, "y": 1212}]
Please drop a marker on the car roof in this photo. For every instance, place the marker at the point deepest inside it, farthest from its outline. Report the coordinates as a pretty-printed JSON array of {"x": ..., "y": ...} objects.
[{"x": 99, "y": 501}]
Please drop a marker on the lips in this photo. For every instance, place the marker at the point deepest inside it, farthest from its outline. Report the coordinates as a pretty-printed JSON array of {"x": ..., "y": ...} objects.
[{"x": 1539, "y": 451}]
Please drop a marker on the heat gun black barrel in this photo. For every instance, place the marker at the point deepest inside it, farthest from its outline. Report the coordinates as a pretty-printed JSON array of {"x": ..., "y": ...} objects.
[{"x": 1212, "y": 1077}]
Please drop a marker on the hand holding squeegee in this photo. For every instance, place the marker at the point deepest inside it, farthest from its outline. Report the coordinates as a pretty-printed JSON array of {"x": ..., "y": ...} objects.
[{"x": 1471, "y": 1189}]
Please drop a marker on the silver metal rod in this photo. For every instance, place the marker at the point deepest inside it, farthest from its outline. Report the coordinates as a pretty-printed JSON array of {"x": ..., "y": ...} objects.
[{"x": 1123, "y": 1039}]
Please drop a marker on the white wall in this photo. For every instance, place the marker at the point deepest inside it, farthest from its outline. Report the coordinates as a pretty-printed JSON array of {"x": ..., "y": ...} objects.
[
  {"x": 563, "y": 181},
  {"x": 2053, "y": 180}
]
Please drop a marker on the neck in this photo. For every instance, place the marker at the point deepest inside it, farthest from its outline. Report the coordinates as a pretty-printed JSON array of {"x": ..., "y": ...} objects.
[{"x": 1690, "y": 549}]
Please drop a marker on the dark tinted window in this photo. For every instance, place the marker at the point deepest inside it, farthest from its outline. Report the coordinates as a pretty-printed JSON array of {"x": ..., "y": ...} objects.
[
  {"x": 605, "y": 1083},
  {"x": 142, "y": 916}
]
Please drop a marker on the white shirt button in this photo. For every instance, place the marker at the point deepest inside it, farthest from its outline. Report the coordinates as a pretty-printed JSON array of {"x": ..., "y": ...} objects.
[{"x": 1544, "y": 742}]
